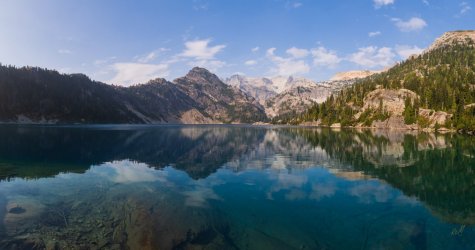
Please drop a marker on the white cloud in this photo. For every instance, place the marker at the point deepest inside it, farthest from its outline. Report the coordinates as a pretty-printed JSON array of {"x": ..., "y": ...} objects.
[
  {"x": 199, "y": 49},
  {"x": 293, "y": 4},
  {"x": 132, "y": 73},
  {"x": 426, "y": 2},
  {"x": 212, "y": 65},
  {"x": 202, "y": 55},
  {"x": 380, "y": 3},
  {"x": 270, "y": 52},
  {"x": 325, "y": 57},
  {"x": 150, "y": 56},
  {"x": 405, "y": 51},
  {"x": 371, "y": 57},
  {"x": 287, "y": 66},
  {"x": 413, "y": 24},
  {"x": 147, "y": 58},
  {"x": 64, "y": 51},
  {"x": 297, "y": 5},
  {"x": 255, "y": 49},
  {"x": 297, "y": 53},
  {"x": 250, "y": 62},
  {"x": 374, "y": 33},
  {"x": 465, "y": 7},
  {"x": 291, "y": 67},
  {"x": 200, "y": 5}
]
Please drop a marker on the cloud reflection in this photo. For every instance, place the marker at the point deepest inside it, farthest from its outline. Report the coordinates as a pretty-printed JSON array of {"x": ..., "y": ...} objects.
[
  {"x": 127, "y": 171},
  {"x": 199, "y": 196}
]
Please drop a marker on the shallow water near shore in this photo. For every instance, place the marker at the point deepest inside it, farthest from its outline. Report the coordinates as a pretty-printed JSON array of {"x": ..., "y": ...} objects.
[{"x": 234, "y": 187}]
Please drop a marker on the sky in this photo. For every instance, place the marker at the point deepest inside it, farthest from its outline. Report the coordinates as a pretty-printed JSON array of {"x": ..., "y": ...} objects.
[{"x": 126, "y": 42}]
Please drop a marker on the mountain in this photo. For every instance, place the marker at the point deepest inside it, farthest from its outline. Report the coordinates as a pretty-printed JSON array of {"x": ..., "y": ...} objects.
[
  {"x": 264, "y": 88},
  {"x": 301, "y": 96},
  {"x": 432, "y": 90},
  {"x": 219, "y": 100},
  {"x": 35, "y": 95},
  {"x": 260, "y": 88},
  {"x": 161, "y": 101},
  {"x": 287, "y": 96},
  {"x": 31, "y": 94}
]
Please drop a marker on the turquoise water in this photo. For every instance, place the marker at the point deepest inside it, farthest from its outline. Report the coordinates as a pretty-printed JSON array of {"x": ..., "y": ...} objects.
[{"x": 234, "y": 187}]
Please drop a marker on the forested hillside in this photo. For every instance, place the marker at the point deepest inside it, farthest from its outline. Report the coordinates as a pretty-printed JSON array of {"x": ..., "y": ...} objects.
[
  {"x": 37, "y": 95},
  {"x": 442, "y": 77}
]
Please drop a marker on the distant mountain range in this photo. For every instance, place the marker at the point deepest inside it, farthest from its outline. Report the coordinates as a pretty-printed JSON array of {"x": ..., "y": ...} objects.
[
  {"x": 36, "y": 95},
  {"x": 284, "y": 96}
]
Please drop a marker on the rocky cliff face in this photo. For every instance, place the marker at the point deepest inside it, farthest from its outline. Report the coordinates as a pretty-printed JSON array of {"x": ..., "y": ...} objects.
[
  {"x": 449, "y": 38},
  {"x": 159, "y": 101},
  {"x": 220, "y": 101},
  {"x": 287, "y": 95},
  {"x": 259, "y": 88},
  {"x": 392, "y": 102},
  {"x": 296, "y": 99},
  {"x": 303, "y": 94}
]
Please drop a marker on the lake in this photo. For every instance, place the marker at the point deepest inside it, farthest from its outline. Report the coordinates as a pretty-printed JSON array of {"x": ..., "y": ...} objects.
[{"x": 234, "y": 187}]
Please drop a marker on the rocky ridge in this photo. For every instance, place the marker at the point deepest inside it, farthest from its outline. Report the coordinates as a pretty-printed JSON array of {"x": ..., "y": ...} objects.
[
  {"x": 461, "y": 37},
  {"x": 393, "y": 102}
]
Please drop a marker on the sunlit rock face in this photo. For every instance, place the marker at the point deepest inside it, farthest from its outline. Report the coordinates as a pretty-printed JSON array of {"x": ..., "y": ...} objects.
[
  {"x": 283, "y": 95},
  {"x": 453, "y": 37}
]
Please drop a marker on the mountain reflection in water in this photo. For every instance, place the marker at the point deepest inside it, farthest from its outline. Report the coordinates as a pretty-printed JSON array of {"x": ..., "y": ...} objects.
[{"x": 234, "y": 187}]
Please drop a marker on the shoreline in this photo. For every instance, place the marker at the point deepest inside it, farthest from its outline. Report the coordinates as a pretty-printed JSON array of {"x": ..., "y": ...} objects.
[{"x": 99, "y": 125}]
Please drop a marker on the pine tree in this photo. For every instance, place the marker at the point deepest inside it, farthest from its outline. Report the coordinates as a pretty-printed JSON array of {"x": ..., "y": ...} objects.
[{"x": 409, "y": 111}]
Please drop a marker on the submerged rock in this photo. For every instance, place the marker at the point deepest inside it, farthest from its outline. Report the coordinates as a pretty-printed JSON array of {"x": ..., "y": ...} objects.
[{"x": 17, "y": 210}]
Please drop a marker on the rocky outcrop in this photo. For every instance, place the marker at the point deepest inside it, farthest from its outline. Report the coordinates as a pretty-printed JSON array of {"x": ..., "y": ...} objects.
[
  {"x": 392, "y": 100},
  {"x": 393, "y": 122},
  {"x": 193, "y": 116},
  {"x": 435, "y": 117},
  {"x": 393, "y": 103},
  {"x": 448, "y": 38}
]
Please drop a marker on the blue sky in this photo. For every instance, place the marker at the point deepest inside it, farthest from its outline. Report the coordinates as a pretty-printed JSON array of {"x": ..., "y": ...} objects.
[{"x": 127, "y": 42}]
